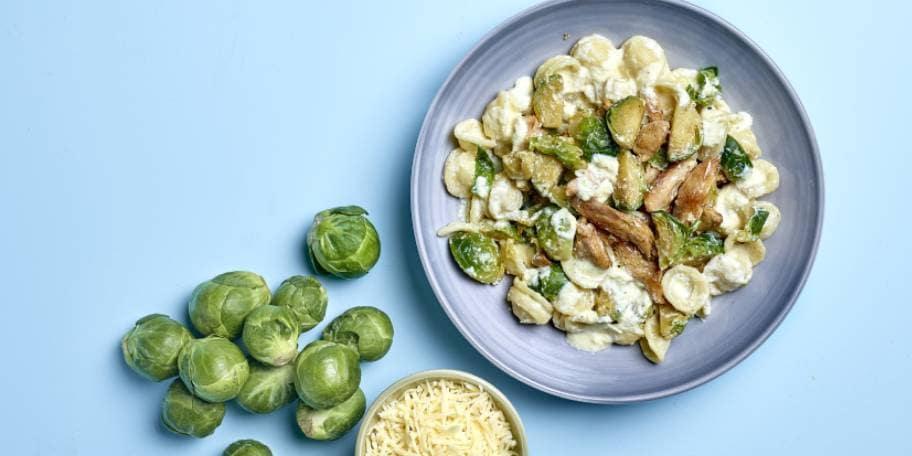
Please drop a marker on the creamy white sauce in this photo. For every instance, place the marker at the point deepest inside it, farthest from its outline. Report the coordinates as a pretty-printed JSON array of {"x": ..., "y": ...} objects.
[{"x": 597, "y": 180}]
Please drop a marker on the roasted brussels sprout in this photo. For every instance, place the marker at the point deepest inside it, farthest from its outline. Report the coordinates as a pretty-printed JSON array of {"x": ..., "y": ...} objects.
[
  {"x": 559, "y": 147},
  {"x": 213, "y": 369},
  {"x": 671, "y": 236},
  {"x": 271, "y": 335},
  {"x": 484, "y": 173},
  {"x": 631, "y": 184},
  {"x": 247, "y": 447},
  {"x": 478, "y": 256},
  {"x": 624, "y": 120},
  {"x": 734, "y": 161},
  {"x": 331, "y": 423},
  {"x": 702, "y": 247},
  {"x": 343, "y": 242},
  {"x": 183, "y": 413},
  {"x": 366, "y": 329},
  {"x": 547, "y": 101},
  {"x": 326, "y": 374},
  {"x": 219, "y": 306},
  {"x": 686, "y": 134},
  {"x": 549, "y": 281},
  {"x": 708, "y": 87},
  {"x": 592, "y": 135},
  {"x": 267, "y": 388},
  {"x": 152, "y": 346},
  {"x": 306, "y": 297},
  {"x": 671, "y": 321},
  {"x": 555, "y": 229}
]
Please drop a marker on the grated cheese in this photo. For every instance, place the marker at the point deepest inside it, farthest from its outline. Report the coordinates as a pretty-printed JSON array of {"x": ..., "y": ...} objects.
[{"x": 441, "y": 418}]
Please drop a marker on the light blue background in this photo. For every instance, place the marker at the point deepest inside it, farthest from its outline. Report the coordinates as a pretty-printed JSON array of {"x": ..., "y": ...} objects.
[{"x": 147, "y": 146}]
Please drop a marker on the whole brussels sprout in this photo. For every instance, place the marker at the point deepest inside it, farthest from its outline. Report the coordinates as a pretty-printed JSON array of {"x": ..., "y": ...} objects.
[
  {"x": 306, "y": 297},
  {"x": 213, "y": 369},
  {"x": 343, "y": 242},
  {"x": 366, "y": 329},
  {"x": 185, "y": 414},
  {"x": 152, "y": 346},
  {"x": 219, "y": 306},
  {"x": 247, "y": 447},
  {"x": 267, "y": 388},
  {"x": 271, "y": 335},
  {"x": 326, "y": 374},
  {"x": 331, "y": 423}
]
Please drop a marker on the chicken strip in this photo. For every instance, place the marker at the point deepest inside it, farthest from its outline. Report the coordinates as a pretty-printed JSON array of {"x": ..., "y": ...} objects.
[
  {"x": 665, "y": 188},
  {"x": 625, "y": 226},
  {"x": 646, "y": 271},
  {"x": 693, "y": 192},
  {"x": 650, "y": 138},
  {"x": 590, "y": 245}
]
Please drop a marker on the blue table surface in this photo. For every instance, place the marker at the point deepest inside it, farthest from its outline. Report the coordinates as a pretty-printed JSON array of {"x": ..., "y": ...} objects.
[{"x": 147, "y": 146}]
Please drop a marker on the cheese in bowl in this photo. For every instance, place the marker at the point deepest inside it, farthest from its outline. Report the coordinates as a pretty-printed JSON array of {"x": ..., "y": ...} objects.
[{"x": 447, "y": 413}]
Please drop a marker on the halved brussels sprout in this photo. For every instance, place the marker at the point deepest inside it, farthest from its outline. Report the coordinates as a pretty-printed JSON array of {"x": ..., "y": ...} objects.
[
  {"x": 306, "y": 297},
  {"x": 478, "y": 256},
  {"x": 548, "y": 101},
  {"x": 516, "y": 257},
  {"x": 271, "y": 335},
  {"x": 671, "y": 237},
  {"x": 484, "y": 173},
  {"x": 326, "y": 374},
  {"x": 152, "y": 346},
  {"x": 735, "y": 163},
  {"x": 560, "y": 147},
  {"x": 592, "y": 135},
  {"x": 708, "y": 87},
  {"x": 219, "y": 306},
  {"x": 333, "y": 422},
  {"x": 185, "y": 414},
  {"x": 630, "y": 186},
  {"x": 546, "y": 173},
  {"x": 247, "y": 447},
  {"x": 702, "y": 247},
  {"x": 555, "y": 229},
  {"x": 213, "y": 369},
  {"x": 343, "y": 242},
  {"x": 671, "y": 321},
  {"x": 366, "y": 329},
  {"x": 659, "y": 160},
  {"x": 267, "y": 388},
  {"x": 624, "y": 120},
  {"x": 686, "y": 134},
  {"x": 549, "y": 281}
]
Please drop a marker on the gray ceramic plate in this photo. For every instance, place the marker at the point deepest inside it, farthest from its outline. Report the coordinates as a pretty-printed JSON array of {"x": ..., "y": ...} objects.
[{"x": 741, "y": 321}]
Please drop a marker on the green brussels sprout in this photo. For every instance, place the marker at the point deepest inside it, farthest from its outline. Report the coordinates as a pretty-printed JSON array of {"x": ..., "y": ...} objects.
[
  {"x": 185, "y": 414},
  {"x": 366, "y": 329},
  {"x": 702, "y": 247},
  {"x": 561, "y": 148},
  {"x": 343, "y": 242},
  {"x": 213, "y": 369},
  {"x": 271, "y": 335},
  {"x": 592, "y": 135},
  {"x": 549, "y": 283},
  {"x": 484, "y": 173},
  {"x": 152, "y": 346},
  {"x": 306, "y": 297},
  {"x": 708, "y": 87},
  {"x": 478, "y": 256},
  {"x": 219, "y": 306},
  {"x": 659, "y": 160},
  {"x": 333, "y": 422},
  {"x": 624, "y": 119},
  {"x": 754, "y": 226},
  {"x": 735, "y": 163},
  {"x": 671, "y": 321},
  {"x": 671, "y": 235},
  {"x": 686, "y": 135},
  {"x": 267, "y": 388},
  {"x": 326, "y": 374},
  {"x": 547, "y": 101},
  {"x": 630, "y": 187},
  {"x": 555, "y": 229},
  {"x": 247, "y": 447}
]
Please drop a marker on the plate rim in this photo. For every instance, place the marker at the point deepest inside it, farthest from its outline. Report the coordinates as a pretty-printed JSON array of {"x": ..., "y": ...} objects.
[{"x": 674, "y": 389}]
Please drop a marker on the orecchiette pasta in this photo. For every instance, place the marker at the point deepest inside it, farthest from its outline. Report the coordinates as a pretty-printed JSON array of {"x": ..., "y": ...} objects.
[
  {"x": 762, "y": 179},
  {"x": 583, "y": 273},
  {"x": 504, "y": 198},
  {"x": 529, "y": 306},
  {"x": 573, "y": 300},
  {"x": 459, "y": 173},
  {"x": 728, "y": 271},
  {"x": 755, "y": 250},
  {"x": 731, "y": 205},
  {"x": 772, "y": 221},
  {"x": 470, "y": 135},
  {"x": 685, "y": 288},
  {"x": 653, "y": 345}
]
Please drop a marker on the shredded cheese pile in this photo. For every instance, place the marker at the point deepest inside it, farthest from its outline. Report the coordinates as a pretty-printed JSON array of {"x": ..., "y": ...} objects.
[{"x": 441, "y": 418}]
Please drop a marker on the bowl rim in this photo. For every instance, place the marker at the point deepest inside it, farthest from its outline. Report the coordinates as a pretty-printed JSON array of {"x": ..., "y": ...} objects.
[
  {"x": 503, "y": 403},
  {"x": 676, "y": 389}
]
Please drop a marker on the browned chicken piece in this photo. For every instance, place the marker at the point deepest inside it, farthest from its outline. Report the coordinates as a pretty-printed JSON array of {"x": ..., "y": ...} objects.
[
  {"x": 653, "y": 113},
  {"x": 646, "y": 271},
  {"x": 650, "y": 138},
  {"x": 625, "y": 226},
  {"x": 590, "y": 245},
  {"x": 665, "y": 188},
  {"x": 650, "y": 175},
  {"x": 710, "y": 219},
  {"x": 540, "y": 260},
  {"x": 693, "y": 192}
]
